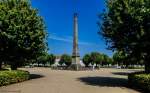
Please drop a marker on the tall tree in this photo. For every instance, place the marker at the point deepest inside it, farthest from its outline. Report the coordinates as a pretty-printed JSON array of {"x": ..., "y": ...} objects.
[
  {"x": 119, "y": 57},
  {"x": 42, "y": 58},
  {"x": 87, "y": 60},
  {"x": 125, "y": 27},
  {"x": 65, "y": 59},
  {"x": 95, "y": 58},
  {"x": 51, "y": 59},
  {"x": 105, "y": 59},
  {"x": 22, "y": 32}
]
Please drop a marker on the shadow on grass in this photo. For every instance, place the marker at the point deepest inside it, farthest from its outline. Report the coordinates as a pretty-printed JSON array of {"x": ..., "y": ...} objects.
[
  {"x": 35, "y": 76},
  {"x": 107, "y": 82}
]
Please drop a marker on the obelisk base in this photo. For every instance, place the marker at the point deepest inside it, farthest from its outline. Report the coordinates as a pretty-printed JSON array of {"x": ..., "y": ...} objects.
[
  {"x": 76, "y": 67},
  {"x": 76, "y": 64}
]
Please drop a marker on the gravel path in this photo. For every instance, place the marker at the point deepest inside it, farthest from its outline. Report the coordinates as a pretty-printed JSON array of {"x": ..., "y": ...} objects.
[{"x": 45, "y": 80}]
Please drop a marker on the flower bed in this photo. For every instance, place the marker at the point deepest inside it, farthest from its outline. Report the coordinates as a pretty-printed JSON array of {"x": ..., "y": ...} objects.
[
  {"x": 15, "y": 76},
  {"x": 140, "y": 80}
]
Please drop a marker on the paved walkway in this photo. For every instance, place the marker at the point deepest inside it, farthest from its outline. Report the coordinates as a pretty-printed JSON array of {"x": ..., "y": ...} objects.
[{"x": 45, "y": 80}]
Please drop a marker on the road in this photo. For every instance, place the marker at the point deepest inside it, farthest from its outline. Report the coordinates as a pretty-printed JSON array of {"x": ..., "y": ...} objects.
[{"x": 45, "y": 80}]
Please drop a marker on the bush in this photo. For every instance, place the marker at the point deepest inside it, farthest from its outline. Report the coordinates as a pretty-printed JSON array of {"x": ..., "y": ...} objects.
[
  {"x": 135, "y": 67},
  {"x": 140, "y": 80},
  {"x": 15, "y": 76}
]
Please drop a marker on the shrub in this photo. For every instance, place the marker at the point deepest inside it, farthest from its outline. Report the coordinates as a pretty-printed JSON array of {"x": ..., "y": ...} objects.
[
  {"x": 131, "y": 67},
  {"x": 15, "y": 76},
  {"x": 140, "y": 80}
]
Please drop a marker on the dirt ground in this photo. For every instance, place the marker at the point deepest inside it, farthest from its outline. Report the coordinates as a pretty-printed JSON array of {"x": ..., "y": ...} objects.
[{"x": 45, "y": 80}]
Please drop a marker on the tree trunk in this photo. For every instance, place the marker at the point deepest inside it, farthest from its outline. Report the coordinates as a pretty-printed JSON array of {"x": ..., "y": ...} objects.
[
  {"x": 86, "y": 66},
  {"x": 96, "y": 65},
  {"x": 147, "y": 67},
  {"x": 127, "y": 65},
  {"x": 0, "y": 65},
  {"x": 102, "y": 64},
  {"x": 13, "y": 67},
  {"x": 38, "y": 64}
]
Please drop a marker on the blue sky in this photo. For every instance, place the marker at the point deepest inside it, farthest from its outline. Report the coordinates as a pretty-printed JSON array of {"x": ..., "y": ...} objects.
[{"x": 58, "y": 17}]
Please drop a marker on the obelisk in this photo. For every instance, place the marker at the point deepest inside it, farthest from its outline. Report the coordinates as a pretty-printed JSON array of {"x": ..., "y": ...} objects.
[{"x": 75, "y": 55}]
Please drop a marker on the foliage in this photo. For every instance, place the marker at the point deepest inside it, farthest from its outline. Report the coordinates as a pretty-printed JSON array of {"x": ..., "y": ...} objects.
[
  {"x": 21, "y": 31},
  {"x": 119, "y": 57},
  {"x": 95, "y": 58},
  {"x": 15, "y": 76},
  {"x": 106, "y": 60},
  {"x": 65, "y": 59},
  {"x": 42, "y": 58},
  {"x": 110, "y": 61},
  {"x": 140, "y": 80},
  {"x": 51, "y": 59},
  {"x": 125, "y": 27},
  {"x": 87, "y": 60}
]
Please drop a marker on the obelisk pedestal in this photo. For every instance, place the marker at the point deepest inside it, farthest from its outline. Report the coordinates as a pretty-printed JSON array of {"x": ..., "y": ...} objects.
[{"x": 75, "y": 55}]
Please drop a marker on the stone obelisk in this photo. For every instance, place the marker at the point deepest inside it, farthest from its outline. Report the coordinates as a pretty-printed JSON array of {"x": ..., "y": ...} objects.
[{"x": 75, "y": 55}]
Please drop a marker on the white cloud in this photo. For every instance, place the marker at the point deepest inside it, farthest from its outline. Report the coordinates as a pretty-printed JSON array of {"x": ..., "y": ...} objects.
[
  {"x": 69, "y": 39},
  {"x": 60, "y": 39}
]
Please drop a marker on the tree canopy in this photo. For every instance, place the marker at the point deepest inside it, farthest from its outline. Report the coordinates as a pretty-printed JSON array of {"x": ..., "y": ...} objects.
[
  {"x": 22, "y": 32},
  {"x": 51, "y": 59},
  {"x": 125, "y": 27},
  {"x": 96, "y": 58},
  {"x": 87, "y": 60},
  {"x": 65, "y": 59}
]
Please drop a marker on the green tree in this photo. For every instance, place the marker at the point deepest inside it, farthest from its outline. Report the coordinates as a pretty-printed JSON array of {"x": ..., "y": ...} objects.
[
  {"x": 95, "y": 58},
  {"x": 51, "y": 59},
  {"x": 119, "y": 57},
  {"x": 105, "y": 59},
  {"x": 22, "y": 32},
  {"x": 125, "y": 27},
  {"x": 99, "y": 59},
  {"x": 42, "y": 59},
  {"x": 110, "y": 61},
  {"x": 87, "y": 60},
  {"x": 65, "y": 59}
]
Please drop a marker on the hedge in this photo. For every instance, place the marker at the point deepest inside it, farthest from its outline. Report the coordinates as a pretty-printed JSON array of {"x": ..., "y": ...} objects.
[
  {"x": 15, "y": 76},
  {"x": 140, "y": 80}
]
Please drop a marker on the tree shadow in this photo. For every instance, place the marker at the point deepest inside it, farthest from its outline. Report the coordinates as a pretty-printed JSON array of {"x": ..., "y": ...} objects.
[
  {"x": 104, "y": 81},
  {"x": 107, "y": 82},
  {"x": 35, "y": 76}
]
